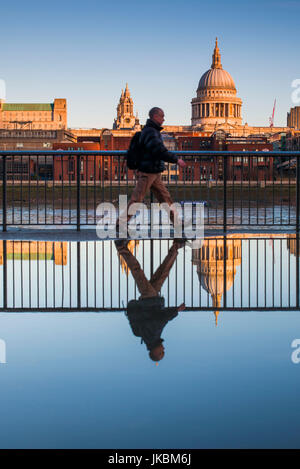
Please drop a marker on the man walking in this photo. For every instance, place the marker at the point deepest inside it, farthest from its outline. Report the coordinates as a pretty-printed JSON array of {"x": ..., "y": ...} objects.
[
  {"x": 152, "y": 162},
  {"x": 148, "y": 315}
]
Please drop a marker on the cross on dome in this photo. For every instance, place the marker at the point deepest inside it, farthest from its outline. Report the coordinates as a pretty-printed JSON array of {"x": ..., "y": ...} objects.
[{"x": 216, "y": 62}]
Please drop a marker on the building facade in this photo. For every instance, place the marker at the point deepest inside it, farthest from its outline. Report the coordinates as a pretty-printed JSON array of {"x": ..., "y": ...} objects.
[
  {"x": 293, "y": 118},
  {"x": 29, "y": 116},
  {"x": 25, "y": 139}
]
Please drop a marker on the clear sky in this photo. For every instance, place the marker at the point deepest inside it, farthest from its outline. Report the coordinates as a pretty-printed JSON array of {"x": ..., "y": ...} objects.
[{"x": 87, "y": 51}]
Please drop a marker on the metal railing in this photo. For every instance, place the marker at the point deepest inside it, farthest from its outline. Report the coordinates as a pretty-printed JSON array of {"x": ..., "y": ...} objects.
[
  {"x": 234, "y": 272},
  {"x": 64, "y": 188}
]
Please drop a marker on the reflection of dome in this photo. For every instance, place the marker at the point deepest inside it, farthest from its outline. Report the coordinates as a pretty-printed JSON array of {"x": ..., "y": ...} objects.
[
  {"x": 292, "y": 245},
  {"x": 210, "y": 266},
  {"x": 216, "y": 78}
]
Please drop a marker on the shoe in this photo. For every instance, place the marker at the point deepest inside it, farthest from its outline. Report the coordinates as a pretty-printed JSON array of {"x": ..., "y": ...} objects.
[
  {"x": 179, "y": 242},
  {"x": 121, "y": 243}
]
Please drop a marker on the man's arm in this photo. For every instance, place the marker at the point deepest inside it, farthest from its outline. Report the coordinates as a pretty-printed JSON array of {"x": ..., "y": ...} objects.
[
  {"x": 170, "y": 313},
  {"x": 156, "y": 148}
]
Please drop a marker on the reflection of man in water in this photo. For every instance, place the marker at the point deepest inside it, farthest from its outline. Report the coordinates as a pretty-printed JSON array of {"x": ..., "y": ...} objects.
[{"x": 147, "y": 315}]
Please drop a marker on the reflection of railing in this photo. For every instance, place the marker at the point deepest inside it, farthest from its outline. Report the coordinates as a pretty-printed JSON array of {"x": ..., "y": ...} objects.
[
  {"x": 65, "y": 187},
  {"x": 235, "y": 272}
]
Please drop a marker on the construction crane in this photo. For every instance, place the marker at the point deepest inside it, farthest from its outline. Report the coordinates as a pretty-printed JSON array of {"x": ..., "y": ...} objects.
[{"x": 271, "y": 119}]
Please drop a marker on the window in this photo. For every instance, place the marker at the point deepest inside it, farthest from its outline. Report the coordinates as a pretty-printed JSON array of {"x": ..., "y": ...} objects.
[
  {"x": 71, "y": 164},
  {"x": 187, "y": 145}
]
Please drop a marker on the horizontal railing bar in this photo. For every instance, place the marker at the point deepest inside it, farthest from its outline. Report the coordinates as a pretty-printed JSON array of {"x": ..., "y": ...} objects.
[
  {"x": 123, "y": 153},
  {"x": 119, "y": 310}
]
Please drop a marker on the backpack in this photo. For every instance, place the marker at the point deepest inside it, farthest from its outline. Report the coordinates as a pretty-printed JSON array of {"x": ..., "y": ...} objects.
[
  {"x": 146, "y": 305},
  {"x": 134, "y": 152},
  {"x": 139, "y": 311}
]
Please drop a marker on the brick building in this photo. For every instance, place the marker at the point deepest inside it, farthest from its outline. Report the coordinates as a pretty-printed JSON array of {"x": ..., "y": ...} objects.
[
  {"x": 65, "y": 166},
  {"x": 92, "y": 167},
  {"x": 198, "y": 169},
  {"x": 293, "y": 141}
]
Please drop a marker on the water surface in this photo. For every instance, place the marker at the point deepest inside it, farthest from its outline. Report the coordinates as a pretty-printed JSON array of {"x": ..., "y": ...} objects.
[{"x": 84, "y": 380}]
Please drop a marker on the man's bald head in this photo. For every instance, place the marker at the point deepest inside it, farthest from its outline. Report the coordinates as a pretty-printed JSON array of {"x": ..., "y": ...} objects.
[
  {"x": 153, "y": 111},
  {"x": 157, "y": 115}
]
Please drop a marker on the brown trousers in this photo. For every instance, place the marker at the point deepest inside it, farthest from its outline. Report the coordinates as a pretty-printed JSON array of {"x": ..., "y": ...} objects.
[
  {"x": 148, "y": 288},
  {"x": 145, "y": 182}
]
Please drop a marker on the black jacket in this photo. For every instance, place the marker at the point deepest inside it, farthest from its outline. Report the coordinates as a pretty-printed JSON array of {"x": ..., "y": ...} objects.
[
  {"x": 148, "y": 317},
  {"x": 154, "y": 151}
]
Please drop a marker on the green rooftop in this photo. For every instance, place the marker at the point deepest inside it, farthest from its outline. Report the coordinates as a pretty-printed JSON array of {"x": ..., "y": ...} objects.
[{"x": 27, "y": 107}]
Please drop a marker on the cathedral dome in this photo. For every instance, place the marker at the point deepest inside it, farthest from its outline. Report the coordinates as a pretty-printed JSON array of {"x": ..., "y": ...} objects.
[
  {"x": 216, "y": 103},
  {"x": 216, "y": 78}
]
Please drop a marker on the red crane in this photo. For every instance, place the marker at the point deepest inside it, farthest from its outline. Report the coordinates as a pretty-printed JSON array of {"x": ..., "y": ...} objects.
[{"x": 271, "y": 119}]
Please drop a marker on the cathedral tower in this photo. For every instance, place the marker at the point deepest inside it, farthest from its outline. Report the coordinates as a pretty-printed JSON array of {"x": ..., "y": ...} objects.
[{"x": 125, "y": 117}]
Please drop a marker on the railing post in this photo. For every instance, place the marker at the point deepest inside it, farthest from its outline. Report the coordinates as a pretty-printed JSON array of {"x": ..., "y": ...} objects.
[
  {"x": 224, "y": 276},
  {"x": 78, "y": 275},
  {"x": 297, "y": 192},
  {"x": 297, "y": 227},
  {"x": 225, "y": 193},
  {"x": 151, "y": 240},
  {"x": 4, "y": 205},
  {"x": 297, "y": 270},
  {"x": 78, "y": 192},
  {"x": 4, "y": 274}
]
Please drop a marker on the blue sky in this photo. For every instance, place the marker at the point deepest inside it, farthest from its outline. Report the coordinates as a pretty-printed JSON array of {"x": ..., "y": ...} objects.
[{"x": 87, "y": 51}]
